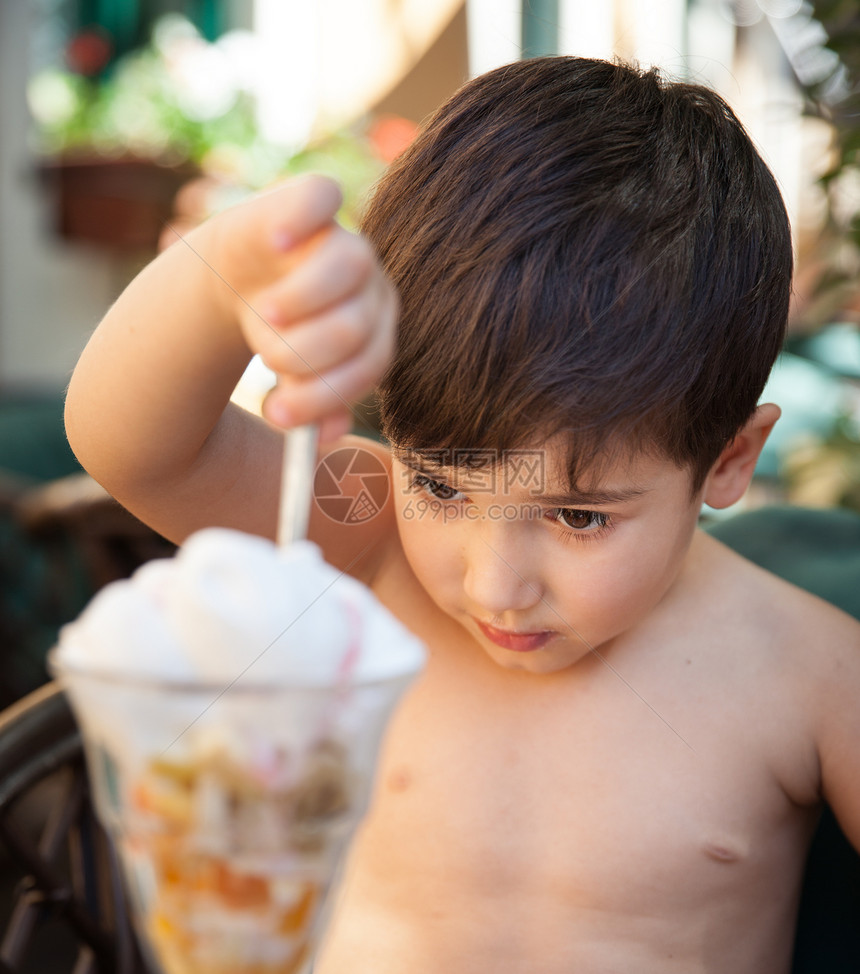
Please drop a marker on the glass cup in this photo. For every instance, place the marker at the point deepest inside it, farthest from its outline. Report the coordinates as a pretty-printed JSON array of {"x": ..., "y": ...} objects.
[{"x": 229, "y": 807}]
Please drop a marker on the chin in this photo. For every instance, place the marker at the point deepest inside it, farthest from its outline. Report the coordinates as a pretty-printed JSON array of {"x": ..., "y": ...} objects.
[{"x": 538, "y": 663}]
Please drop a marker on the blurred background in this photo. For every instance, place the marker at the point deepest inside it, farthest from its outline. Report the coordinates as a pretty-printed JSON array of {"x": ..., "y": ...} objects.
[{"x": 117, "y": 116}]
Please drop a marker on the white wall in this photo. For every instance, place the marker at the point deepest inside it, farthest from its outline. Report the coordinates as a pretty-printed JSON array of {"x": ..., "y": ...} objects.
[
  {"x": 696, "y": 42},
  {"x": 51, "y": 294}
]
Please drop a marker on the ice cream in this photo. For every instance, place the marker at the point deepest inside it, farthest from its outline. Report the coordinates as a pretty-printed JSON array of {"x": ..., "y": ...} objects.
[
  {"x": 232, "y": 701},
  {"x": 231, "y": 605}
]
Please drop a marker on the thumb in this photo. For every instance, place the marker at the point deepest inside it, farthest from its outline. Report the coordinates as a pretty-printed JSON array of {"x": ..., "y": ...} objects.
[
  {"x": 299, "y": 208},
  {"x": 258, "y": 240}
]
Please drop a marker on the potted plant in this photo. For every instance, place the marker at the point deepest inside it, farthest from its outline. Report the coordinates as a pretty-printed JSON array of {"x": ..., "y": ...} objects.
[{"x": 115, "y": 144}]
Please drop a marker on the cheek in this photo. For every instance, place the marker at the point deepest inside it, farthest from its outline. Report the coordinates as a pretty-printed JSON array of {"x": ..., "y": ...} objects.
[
  {"x": 431, "y": 552},
  {"x": 616, "y": 586},
  {"x": 651, "y": 567}
]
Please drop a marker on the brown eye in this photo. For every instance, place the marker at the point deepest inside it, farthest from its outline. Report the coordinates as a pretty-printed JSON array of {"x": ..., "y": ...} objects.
[{"x": 581, "y": 520}]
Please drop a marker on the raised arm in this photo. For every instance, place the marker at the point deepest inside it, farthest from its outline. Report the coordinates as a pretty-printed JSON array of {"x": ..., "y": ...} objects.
[
  {"x": 835, "y": 693},
  {"x": 148, "y": 411}
]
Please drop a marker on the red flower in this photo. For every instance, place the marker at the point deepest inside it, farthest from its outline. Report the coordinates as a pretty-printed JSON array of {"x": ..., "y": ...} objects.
[
  {"x": 390, "y": 135},
  {"x": 89, "y": 51}
]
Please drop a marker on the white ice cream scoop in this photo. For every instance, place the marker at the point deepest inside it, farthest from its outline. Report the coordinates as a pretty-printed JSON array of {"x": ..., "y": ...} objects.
[{"x": 233, "y": 606}]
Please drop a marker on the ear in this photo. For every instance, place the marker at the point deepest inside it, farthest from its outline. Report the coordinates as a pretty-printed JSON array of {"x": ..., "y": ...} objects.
[{"x": 731, "y": 474}]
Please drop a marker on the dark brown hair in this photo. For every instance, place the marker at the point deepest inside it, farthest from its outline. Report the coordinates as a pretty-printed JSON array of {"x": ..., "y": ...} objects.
[{"x": 581, "y": 247}]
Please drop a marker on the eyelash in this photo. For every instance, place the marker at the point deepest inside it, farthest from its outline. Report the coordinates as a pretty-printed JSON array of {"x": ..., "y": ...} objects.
[
  {"x": 421, "y": 483},
  {"x": 599, "y": 523}
]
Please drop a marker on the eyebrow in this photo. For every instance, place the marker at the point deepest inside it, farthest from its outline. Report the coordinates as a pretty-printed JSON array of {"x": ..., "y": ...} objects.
[
  {"x": 573, "y": 499},
  {"x": 420, "y": 464},
  {"x": 586, "y": 498},
  {"x": 431, "y": 460}
]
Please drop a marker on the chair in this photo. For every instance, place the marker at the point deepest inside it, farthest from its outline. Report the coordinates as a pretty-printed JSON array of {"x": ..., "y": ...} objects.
[{"x": 63, "y": 907}]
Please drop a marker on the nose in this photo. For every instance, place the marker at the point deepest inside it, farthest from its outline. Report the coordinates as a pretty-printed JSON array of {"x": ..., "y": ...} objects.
[{"x": 500, "y": 576}]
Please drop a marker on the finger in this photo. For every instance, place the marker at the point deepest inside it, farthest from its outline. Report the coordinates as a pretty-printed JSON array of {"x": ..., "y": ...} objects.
[
  {"x": 299, "y": 208},
  {"x": 335, "y": 426},
  {"x": 340, "y": 265},
  {"x": 295, "y": 402},
  {"x": 256, "y": 241},
  {"x": 330, "y": 427},
  {"x": 320, "y": 343}
]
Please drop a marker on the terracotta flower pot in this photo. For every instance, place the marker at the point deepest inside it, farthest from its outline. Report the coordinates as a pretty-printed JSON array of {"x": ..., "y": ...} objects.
[{"x": 120, "y": 204}]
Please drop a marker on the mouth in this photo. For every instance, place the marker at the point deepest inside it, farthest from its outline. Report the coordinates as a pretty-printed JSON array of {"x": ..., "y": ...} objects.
[{"x": 519, "y": 642}]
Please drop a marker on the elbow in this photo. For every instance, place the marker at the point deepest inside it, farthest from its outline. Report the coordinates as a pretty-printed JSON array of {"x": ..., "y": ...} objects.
[
  {"x": 82, "y": 429},
  {"x": 74, "y": 428}
]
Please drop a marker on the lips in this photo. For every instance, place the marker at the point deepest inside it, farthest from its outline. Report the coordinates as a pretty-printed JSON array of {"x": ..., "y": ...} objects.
[{"x": 519, "y": 642}]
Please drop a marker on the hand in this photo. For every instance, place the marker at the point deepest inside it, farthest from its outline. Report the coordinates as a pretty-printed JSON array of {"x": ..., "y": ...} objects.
[{"x": 311, "y": 300}]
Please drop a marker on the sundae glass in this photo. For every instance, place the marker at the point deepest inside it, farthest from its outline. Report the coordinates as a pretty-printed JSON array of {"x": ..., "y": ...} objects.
[{"x": 232, "y": 701}]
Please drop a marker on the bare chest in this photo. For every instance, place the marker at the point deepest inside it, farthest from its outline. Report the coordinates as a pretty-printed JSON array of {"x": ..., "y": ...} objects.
[
  {"x": 612, "y": 784},
  {"x": 599, "y": 805}
]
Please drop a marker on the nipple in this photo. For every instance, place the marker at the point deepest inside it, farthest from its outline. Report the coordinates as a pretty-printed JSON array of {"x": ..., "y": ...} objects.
[
  {"x": 722, "y": 852},
  {"x": 399, "y": 780}
]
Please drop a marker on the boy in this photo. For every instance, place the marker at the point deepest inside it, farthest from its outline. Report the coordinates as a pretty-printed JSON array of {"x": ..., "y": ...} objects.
[{"x": 615, "y": 757}]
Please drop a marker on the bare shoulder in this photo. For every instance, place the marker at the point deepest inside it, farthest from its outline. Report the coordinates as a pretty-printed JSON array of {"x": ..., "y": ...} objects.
[
  {"x": 804, "y": 655},
  {"x": 802, "y": 623},
  {"x": 815, "y": 657}
]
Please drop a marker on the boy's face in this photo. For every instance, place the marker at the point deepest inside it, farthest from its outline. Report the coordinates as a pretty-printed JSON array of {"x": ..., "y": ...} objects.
[{"x": 538, "y": 576}]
